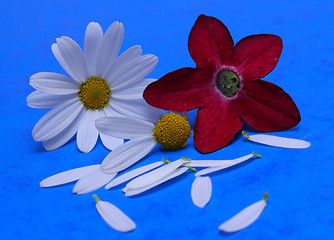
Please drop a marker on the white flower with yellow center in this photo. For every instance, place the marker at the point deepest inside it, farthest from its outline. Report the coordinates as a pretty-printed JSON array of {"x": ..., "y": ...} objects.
[{"x": 100, "y": 84}]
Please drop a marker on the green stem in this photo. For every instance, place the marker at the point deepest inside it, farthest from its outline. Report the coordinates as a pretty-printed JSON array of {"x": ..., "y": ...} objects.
[
  {"x": 245, "y": 134},
  {"x": 265, "y": 196},
  {"x": 96, "y": 198},
  {"x": 254, "y": 154}
]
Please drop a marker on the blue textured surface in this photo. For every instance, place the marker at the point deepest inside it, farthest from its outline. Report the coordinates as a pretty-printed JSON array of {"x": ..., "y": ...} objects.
[{"x": 300, "y": 182}]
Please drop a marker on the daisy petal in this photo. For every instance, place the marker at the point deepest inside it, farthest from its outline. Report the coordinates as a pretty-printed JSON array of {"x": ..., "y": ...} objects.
[
  {"x": 109, "y": 48},
  {"x": 53, "y": 83},
  {"x": 174, "y": 174},
  {"x": 74, "y": 57},
  {"x": 56, "y": 120},
  {"x": 113, "y": 216},
  {"x": 127, "y": 154},
  {"x": 68, "y": 176},
  {"x": 93, "y": 37},
  {"x": 43, "y": 100},
  {"x": 126, "y": 128},
  {"x": 93, "y": 181},
  {"x": 244, "y": 218},
  {"x": 132, "y": 174},
  {"x": 111, "y": 142},
  {"x": 218, "y": 163},
  {"x": 87, "y": 133},
  {"x": 257, "y": 55},
  {"x": 154, "y": 176},
  {"x": 201, "y": 191},
  {"x": 125, "y": 58},
  {"x": 132, "y": 92},
  {"x": 276, "y": 141}
]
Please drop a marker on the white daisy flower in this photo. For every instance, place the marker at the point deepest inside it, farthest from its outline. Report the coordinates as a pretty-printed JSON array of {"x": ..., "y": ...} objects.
[
  {"x": 113, "y": 216},
  {"x": 99, "y": 85},
  {"x": 246, "y": 217}
]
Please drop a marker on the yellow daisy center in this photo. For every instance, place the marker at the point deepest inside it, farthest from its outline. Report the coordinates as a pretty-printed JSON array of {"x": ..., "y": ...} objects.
[
  {"x": 94, "y": 93},
  {"x": 172, "y": 131}
]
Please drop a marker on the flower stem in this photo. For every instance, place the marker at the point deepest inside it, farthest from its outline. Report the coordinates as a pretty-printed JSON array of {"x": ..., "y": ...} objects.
[
  {"x": 96, "y": 198},
  {"x": 245, "y": 134},
  {"x": 265, "y": 196},
  {"x": 254, "y": 154}
]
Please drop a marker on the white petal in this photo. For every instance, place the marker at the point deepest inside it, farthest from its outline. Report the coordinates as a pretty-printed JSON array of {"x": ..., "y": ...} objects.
[
  {"x": 137, "y": 109},
  {"x": 93, "y": 181},
  {"x": 56, "y": 120},
  {"x": 68, "y": 176},
  {"x": 132, "y": 92},
  {"x": 109, "y": 48},
  {"x": 227, "y": 164},
  {"x": 276, "y": 141},
  {"x": 132, "y": 174},
  {"x": 122, "y": 127},
  {"x": 244, "y": 218},
  {"x": 114, "y": 217},
  {"x": 174, "y": 174},
  {"x": 127, "y": 154},
  {"x": 63, "y": 137},
  {"x": 74, "y": 57},
  {"x": 154, "y": 176},
  {"x": 111, "y": 142},
  {"x": 110, "y": 112},
  {"x": 121, "y": 62},
  {"x": 53, "y": 83},
  {"x": 201, "y": 191},
  {"x": 93, "y": 37},
  {"x": 87, "y": 132},
  {"x": 43, "y": 100},
  {"x": 133, "y": 72}
]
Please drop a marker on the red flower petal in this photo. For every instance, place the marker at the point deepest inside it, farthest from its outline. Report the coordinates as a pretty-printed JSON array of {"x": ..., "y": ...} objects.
[
  {"x": 266, "y": 107},
  {"x": 215, "y": 126},
  {"x": 181, "y": 90},
  {"x": 257, "y": 55},
  {"x": 210, "y": 43}
]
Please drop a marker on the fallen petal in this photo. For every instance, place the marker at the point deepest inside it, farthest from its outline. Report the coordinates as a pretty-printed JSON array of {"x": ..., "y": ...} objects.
[
  {"x": 246, "y": 217},
  {"x": 201, "y": 191},
  {"x": 113, "y": 216},
  {"x": 276, "y": 141}
]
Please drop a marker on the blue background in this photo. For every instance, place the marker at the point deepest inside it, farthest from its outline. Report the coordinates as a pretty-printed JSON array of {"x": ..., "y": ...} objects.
[{"x": 300, "y": 182}]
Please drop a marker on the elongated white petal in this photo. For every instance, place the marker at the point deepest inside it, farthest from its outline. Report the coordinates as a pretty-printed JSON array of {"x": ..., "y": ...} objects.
[
  {"x": 122, "y": 127},
  {"x": 43, "y": 100},
  {"x": 132, "y": 174},
  {"x": 113, "y": 216},
  {"x": 93, "y": 181},
  {"x": 276, "y": 141},
  {"x": 173, "y": 174},
  {"x": 201, "y": 191},
  {"x": 244, "y": 218},
  {"x": 213, "y": 167},
  {"x": 134, "y": 91},
  {"x": 133, "y": 151},
  {"x": 111, "y": 142},
  {"x": 154, "y": 176},
  {"x": 68, "y": 176},
  {"x": 93, "y": 37}
]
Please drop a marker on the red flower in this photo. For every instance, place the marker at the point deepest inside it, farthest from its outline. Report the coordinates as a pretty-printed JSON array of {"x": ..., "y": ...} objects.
[{"x": 226, "y": 85}]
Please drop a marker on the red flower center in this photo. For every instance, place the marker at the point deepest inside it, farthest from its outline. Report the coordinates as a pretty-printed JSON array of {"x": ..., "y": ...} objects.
[{"x": 228, "y": 83}]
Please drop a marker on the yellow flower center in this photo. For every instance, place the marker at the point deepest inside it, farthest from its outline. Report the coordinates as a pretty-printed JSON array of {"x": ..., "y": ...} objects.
[
  {"x": 94, "y": 93},
  {"x": 172, "y": 131}
]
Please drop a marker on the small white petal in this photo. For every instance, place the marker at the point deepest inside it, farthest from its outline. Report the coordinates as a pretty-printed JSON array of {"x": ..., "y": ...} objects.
[
  {"x": 154, "y": 176},
  {"x": 126, "y": 128},
  {"x": 68, "y": 176},
  {"x": 276, "y": 141},
  {"x": 132, "y": 174},
  {"x": 201, "y": 191},
  {"x": 114, "y": 217},
  {"x": 244, "y": 218},
  {"x": 134, "y": 91},
  {"x": 111, "y": 142},
  {"x": 93, "y": 181},
  {"x": 43, "y": 100},
  {"x": 93, "y": 37},
  {"x": 174, "y": 174},
  {"x": 128, "y": 154},
  {"x": 225, "y": 164}
]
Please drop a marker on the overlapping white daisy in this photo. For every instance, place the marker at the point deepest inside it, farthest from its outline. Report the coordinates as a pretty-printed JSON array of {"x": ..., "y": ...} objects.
[{"x": 99, "y": 84}]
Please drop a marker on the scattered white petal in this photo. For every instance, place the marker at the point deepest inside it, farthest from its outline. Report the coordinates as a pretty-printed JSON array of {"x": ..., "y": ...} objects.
[
  {"x": 276, "y": 141},
  {"x": 93, "y": 181},
  {"x": 132, "y": 174},
  {"x": 201, "y": 191},
  {"x": 68, "y": 176},
  {"x": 177, "y": 172},
  {"x": 113, "y": 216},
  {"x": 111, "y": 142},
  {"x": 246, "y": 217},
  {"x": 154, "y": 176}
]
